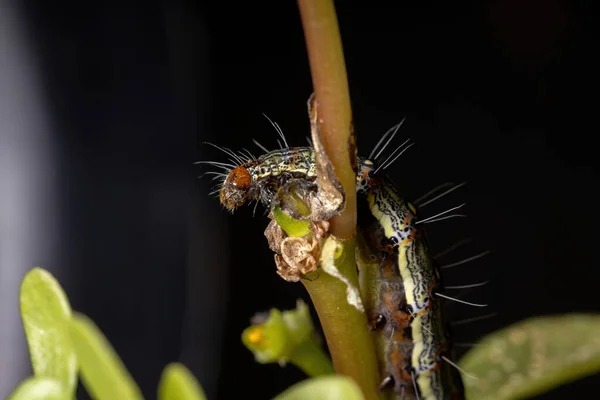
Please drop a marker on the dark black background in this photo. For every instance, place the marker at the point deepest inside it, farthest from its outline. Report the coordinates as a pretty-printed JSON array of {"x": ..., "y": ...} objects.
[{"x": 500, "y": 93}]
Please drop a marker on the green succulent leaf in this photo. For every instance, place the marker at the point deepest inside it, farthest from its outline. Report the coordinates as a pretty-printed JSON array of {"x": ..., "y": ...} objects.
[
  {"x": 332, "y": 387},
  {"x": 532, "y": 357},
  {"x": 178, "y": 383},
  {"x": 46, "y": 313},
  {"x": 40, "y": 388},
  {"x": 102, "y": 371}
]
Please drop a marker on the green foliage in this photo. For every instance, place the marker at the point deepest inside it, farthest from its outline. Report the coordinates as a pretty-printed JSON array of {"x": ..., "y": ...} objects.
[
  {"x": 323, "y": 388},
  {"x": 522, "y": 360},
  {"x": 103, "y": 374},
  {"x": 533, "y": 356},
  {"x": 40, "y": 388},
  {"x": 59, "y": 341},
  {"x": 177, "y": 383},
  {"x": 46, "y": 313},
  {"x": 287, "y": 336}
]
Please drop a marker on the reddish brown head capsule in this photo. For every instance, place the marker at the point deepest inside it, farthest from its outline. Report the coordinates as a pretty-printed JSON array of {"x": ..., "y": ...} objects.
[{"x": 234, "y": 192}]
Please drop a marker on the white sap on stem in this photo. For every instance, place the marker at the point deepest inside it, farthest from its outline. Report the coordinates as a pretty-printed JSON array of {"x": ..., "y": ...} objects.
[{"x": 329, "y": 253}]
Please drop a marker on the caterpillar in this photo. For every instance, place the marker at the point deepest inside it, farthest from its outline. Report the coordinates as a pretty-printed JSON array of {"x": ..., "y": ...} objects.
[
  {"x": 404, "y": 244},
  {"x": 417, "y": 348}
]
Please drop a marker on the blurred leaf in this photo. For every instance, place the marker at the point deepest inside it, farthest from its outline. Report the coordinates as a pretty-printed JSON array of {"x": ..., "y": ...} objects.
[
  {"x": 287, "y": 337},
  {"x": 532, "y": 357},
  {"x": 273, "y": 337},
  {"x": 178, "y": 383},
  {"x": 102, "y": 371},
  {"x": 269, "y": 341},
  {"x": 46, "y": 312},
  {"x": 39, "y": 388},
  {"x": 334, "y": 387}
]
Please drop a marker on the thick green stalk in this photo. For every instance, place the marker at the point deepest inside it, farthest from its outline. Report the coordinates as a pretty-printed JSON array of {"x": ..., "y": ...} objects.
[
  {"x": 344, "y": 325},
  {"x": 330, "y": 83},
  {"x": 348, "y": 339}
]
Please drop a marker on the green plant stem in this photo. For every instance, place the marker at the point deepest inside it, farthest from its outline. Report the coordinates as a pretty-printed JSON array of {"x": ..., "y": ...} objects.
[
  {"x": 352, "y": 350},
  {"x": 328, "y": 70},
  {"x": 311, "y": 359},
  {"x": 345, "y": 327}
]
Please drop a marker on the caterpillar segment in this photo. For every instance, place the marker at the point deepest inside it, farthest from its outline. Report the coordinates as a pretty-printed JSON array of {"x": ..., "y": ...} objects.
[
  {"x": 385, "y": 305},
  {"x": 420, "y": 277},
  {"x": 260, "y": 179}
]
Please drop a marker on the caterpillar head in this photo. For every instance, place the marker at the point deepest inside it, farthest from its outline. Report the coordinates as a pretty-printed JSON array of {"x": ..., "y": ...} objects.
[{"x": 236, "y": 188}]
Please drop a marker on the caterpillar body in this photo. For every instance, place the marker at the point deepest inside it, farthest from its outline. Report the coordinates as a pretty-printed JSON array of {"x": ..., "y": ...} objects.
[
  {"x": 403, "y": 243},
  {"x": 414, "y": 339},
  {"x": 385, "y": 305}
]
